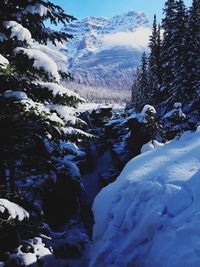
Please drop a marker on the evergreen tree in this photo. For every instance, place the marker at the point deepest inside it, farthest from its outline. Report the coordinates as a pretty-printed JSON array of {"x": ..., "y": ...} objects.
[
  {"x": 32, "y": 14},
  {"x": 21, "y": 23},
  {"x": 143, "y": 78},
  {"x": 37, "y": 117},
  {"x": 140, "y": 89},
  {"x": 193, "y": 50},
  {"x": 155, "y": 67},
  {"x": 135, "y": 90},
  {"x": 167, "y": 53},
  {"x": 178, "y": 88},
  {"x": 174, "y": 122},
  {"x": 174, "y": 63}
]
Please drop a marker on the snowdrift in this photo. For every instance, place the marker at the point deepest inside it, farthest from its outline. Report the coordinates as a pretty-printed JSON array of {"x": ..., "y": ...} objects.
[{"x": 150, "y": 217}]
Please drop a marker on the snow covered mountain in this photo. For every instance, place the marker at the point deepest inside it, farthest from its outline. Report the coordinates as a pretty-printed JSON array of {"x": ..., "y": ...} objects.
[{"x": 106, "y": 51}]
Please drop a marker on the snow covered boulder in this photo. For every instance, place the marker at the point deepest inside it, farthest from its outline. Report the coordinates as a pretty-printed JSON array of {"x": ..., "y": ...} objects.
[{"x": 152, "y": 212}]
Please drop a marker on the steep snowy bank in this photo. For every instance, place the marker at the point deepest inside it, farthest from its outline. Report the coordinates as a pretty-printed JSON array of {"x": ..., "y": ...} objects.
[{"x": 151, "y": 215}]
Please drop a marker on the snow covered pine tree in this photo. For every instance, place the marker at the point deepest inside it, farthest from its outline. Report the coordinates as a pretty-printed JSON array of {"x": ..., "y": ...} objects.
[
  {"x": 173, "y": 65},
  {"x": 39, "y": 128},
  {"x": 154, "y": 66},
  {"x": 140, "y": 90}
]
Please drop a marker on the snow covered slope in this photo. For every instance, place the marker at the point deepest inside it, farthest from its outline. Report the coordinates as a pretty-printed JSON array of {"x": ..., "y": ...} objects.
[
  {"x": 105, "y": 52},
  {"x": 150, "y": 217}
]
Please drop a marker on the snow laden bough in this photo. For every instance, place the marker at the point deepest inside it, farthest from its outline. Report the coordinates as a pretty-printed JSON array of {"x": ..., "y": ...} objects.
[
  {"x": 11, "y": 218},
  {"x": 10, "y": 211},
  {"x": 3, "y": 62},
  {"x": 18, "y": 31},
  {"x": 58, "y": 94},
  {"x": 41, "y": 62},
  {"x": 4, "y": 65},
  {"x": 152, "y": 212},
  {"x": 39, "y": 9},
  {"x": 33, "y": 130}
]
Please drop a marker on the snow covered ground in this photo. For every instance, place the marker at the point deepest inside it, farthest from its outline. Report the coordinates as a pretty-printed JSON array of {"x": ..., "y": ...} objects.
[
  {"x": 93, "y": 106},
  {"x": 150, "y": 216}
]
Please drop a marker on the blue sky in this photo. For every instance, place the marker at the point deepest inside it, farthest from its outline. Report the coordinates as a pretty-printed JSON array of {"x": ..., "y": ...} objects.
[{"x": 108, "y": 8}]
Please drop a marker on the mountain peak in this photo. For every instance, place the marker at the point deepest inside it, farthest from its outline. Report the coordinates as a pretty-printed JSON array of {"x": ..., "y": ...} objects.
[
  {"x": 101, "y": 43},
  {"x": 123, "y": 22},
  {"x": 131, "y": 13}
]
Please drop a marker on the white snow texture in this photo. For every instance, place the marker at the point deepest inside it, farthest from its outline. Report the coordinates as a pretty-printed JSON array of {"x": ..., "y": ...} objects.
[
  {"x": 3, "y": 62},
  {"x": 14, "y": 210},
  {"x": 19, "y": 95},
  {"x": 39, "y": 9},
  {"x": 18, "y": 31},
  {"x": 41, "y": 61},
  {"x": 57, "y": 89},
  {"x": 152, "y": 212}
]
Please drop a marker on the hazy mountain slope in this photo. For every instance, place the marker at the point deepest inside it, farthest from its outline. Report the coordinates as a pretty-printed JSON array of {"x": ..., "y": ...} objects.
[
  {"x": 105, "y": 52},
  {"x": 103, "y": 55}
]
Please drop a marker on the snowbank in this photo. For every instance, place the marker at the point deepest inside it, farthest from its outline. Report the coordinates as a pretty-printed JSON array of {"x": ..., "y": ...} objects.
[
  {"x": 152, "y": 212},
  {"x": 150, "y": 146},
  {"x": 83, "y": 107}
]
